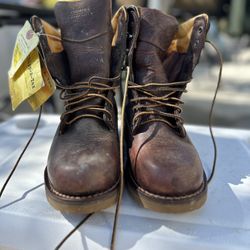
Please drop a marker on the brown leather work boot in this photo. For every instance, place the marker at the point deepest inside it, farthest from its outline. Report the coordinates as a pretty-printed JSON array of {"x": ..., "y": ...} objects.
[
  {"x": 165, "y": 173},
  {"x": 82, "y": 173}
]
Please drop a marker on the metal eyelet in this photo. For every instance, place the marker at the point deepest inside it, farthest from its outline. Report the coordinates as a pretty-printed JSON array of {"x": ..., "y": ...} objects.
[{"x": 200, "y": 29}]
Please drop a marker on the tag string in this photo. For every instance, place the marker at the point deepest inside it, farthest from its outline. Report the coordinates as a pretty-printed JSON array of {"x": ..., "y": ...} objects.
[{"x": 49, "y": 36}]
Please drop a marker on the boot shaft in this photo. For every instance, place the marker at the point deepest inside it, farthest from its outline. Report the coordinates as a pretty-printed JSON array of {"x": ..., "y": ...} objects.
[
  {"x": 156, "y": 33},
  {"x": 86, "y": 33}
]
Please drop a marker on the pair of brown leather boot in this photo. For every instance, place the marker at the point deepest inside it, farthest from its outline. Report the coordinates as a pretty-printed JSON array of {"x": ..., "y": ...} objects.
[{"x": 163, "y": 169}]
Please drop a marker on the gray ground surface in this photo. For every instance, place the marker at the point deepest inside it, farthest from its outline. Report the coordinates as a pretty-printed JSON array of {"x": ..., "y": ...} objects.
[{"x": 232, "y": 108}]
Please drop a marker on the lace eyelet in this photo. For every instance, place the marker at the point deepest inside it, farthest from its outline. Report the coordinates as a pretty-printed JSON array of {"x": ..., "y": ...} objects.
[{"x": 200, "y": 29}]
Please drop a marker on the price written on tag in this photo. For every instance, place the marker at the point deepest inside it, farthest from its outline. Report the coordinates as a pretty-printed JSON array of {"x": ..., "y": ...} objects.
[{"x": 45, "y": 92}]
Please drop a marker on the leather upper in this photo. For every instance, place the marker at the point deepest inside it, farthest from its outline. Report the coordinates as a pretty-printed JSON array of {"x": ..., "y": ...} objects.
[
  {"x": 84, "y": 155},
  {"x": 163, "y": 159}
]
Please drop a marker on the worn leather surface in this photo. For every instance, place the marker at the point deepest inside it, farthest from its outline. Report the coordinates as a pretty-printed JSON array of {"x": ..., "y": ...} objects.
[
  {"x": 165, "y": 163},
  {"x": 84, "y": 157},
  {"x": 164, "y": 160},
  {"x": 81, "y": 21},
  {"x": 84, "y": 160},
  {"x": 156, "y": 33}
]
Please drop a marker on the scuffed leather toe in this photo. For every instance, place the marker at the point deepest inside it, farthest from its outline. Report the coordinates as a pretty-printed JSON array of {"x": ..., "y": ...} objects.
[
  {"x": 165, "y": 164},
  {"x": 79, "y": 168}
]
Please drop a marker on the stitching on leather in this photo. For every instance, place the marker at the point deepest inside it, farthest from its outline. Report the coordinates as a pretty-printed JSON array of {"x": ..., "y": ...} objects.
[
  {"x": 50, "y": 187},
  {"x": 173, "y": 198}
]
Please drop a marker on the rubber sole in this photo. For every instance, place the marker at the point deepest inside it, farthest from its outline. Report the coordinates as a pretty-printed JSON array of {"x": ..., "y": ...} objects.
[
  {"x": 80, "y": 204},
  {"x": 167, "y": 204}
]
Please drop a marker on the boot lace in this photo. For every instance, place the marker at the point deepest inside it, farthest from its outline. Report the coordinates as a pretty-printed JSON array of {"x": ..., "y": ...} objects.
[
  {"x": 148, "y": 105},
  {"x": 76, "y": 96}
]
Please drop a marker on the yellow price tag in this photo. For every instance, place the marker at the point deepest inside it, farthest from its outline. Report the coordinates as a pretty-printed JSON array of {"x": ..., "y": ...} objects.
[
  {"x": 27, "y": 80},
  {"x": 27, "y": 40}
]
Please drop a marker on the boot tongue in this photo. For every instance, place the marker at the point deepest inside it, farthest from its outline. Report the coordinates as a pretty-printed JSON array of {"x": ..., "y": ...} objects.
[
  {"x": 86, "y": 33},
  {"x": 157, "y": 31}
]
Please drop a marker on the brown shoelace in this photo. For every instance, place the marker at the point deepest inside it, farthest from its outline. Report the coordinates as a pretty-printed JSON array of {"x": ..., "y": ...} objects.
[
  {"x": 72, "y": 231},
  {"x": 152, "y": 101},
  {"x": 210, "y": 120},
  {"x": 71, "y": 100},
  {"x": 74, "y": 97}
]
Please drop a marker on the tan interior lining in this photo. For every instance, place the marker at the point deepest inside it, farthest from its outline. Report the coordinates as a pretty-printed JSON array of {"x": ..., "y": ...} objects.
[
  {"x": 115, "y": 25},
  {"x": 55, "y": 45},
  {"x": 182, "y": 39}
]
